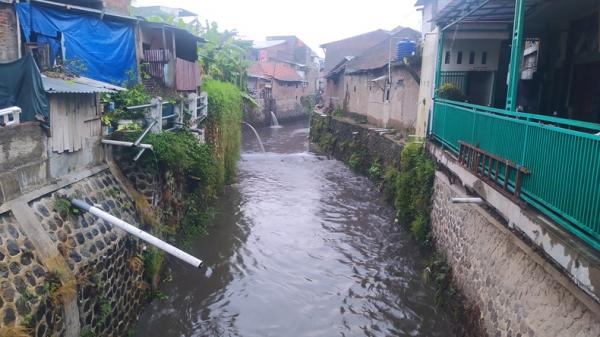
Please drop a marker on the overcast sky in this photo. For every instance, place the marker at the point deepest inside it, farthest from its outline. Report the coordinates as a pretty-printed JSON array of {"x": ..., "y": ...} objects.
[{"x": 313, "y": 21}]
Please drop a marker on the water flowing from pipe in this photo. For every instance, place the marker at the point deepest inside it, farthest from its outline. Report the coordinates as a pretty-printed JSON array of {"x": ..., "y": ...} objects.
[
  {"x": 274, "y": 121},
  {"x": 262, "y": 148}
]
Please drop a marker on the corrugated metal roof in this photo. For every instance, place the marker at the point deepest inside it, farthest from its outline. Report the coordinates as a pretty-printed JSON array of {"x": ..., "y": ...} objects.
[
  {"x": 77, "y": 85},
  {"x": 266, "y": 44},
  {"x": 278, "y": 71}
]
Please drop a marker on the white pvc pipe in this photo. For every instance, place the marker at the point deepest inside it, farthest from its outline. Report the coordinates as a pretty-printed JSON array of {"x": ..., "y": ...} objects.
[
  {"x": 130, "y": 144},
  {"x": 467, "y": 201},
  {"x": 178, "y": 253}
]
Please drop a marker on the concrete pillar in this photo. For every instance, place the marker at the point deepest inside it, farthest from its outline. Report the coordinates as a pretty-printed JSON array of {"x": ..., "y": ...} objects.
[
  {"x": 192, "y": 106},
  {"x": 156, "y": 113}
]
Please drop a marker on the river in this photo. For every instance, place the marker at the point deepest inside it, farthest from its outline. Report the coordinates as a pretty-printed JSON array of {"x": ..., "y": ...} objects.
[{"x": 302, "y": 246}]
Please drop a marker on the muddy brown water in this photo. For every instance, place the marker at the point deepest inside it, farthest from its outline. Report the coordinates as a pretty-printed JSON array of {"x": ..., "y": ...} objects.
[{"x": 302, "y": 246}]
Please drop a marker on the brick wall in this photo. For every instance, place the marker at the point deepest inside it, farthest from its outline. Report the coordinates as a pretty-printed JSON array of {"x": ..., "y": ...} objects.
[{"x": 8, "y": 34}]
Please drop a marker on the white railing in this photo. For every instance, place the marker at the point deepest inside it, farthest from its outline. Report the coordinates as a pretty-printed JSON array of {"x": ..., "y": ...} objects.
[{"x": 10, "y": 116}]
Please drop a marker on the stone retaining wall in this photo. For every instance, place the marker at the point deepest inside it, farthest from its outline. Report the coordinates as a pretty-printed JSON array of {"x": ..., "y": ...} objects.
[
  {"x": 101, "y": 286},
  {"x": 515, "y": 294}
]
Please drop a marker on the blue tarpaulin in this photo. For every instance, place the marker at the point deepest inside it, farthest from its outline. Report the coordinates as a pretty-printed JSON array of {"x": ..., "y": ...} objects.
[{"x": 102, "y": 49}]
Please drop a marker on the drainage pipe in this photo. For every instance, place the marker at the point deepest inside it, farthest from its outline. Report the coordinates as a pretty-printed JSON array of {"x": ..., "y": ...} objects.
[
  {"x": 156, "y": 242},
  {"x": 467, "y": 201},
  {"x": 129, "y": 144}
]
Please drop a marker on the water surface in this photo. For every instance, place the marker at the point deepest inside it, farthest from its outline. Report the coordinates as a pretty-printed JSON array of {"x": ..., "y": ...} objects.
[{"x": 302, "y": 247}]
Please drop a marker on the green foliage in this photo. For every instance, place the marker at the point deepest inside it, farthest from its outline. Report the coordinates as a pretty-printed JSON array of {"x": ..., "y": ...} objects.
[
  {"x": 181, "y": 152},
  {"x": 159, "y": 295},
  {"x": 451, "y": 92},
  {"x": 223, "y": 56},
  {"x": 134, "y": 95},
  {"x": 438, "y": 270},
  {"x": 338, "y": 111},
  {"x": 195, "y": 220},
  {"x": 105, "y": 310},
  {"x": 413, "y": 190},
  {"x": 410, "y": 188},
  {"x": 153, "y": 259},
  {"x": 223, "y": 127},
  {"x": 64, "y": 207},
  {"x": 327, "y": 142},
  {"x": 308, "y": 103},
  {"x": 354, "y": 161},
  {"x": 375, "y": 171}
]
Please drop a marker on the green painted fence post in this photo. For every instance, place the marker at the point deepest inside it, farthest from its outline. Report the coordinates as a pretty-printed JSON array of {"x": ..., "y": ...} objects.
[
  {"x": 438, "y": 65},
  {"x": 516, "y": 55}
]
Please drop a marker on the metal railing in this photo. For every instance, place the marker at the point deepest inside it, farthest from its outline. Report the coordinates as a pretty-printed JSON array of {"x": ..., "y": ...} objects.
[
  {"x": 460, "y": 79},
  {"x": 562, "y": 155},
  {"x": 10, "y": 116}
]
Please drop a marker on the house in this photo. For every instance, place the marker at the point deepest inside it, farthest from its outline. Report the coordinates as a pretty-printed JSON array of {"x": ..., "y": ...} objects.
[
  {"x": 168, "y": 57},
  {"x": 100, "y": 46},
  {"x": 511, "y": 101},
  {"x": 291, "y": 50},
  {"x": 278, "y": 87},
  {"x": 374, "y": 82},
  {"x": 58, "y": 126},
  {"x": 336, "y": 51}
]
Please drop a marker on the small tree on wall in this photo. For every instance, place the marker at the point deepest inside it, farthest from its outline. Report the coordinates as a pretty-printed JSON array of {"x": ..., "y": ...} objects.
[{"x": 451, "y": 92}]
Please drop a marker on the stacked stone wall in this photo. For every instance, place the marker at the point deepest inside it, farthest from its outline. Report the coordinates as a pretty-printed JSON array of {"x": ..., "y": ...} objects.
[
  {"x": 516, "y": 296},
  {"x": 103, "y": 276}
]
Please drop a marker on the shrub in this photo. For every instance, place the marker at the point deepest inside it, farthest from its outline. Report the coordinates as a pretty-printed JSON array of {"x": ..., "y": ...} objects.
[
  {"x": 223, "y": 127},
  {"x": 451, "y": 92},
  {"x": 354, "y": 161},
  {"x": 410, "y": 188},
  {"x": 375, "y": 171}
]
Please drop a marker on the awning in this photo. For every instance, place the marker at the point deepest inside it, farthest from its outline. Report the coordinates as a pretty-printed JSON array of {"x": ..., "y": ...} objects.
[
  {"x": 480, "y": 11},
  {"x": 77, "y": 85}
]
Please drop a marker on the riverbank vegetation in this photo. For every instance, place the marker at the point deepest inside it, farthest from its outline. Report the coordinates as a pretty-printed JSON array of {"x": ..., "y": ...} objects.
[{"x": 189, "y": 174}]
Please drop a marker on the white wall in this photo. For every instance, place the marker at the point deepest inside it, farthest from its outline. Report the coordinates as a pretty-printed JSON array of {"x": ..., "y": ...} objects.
[{"x": 491, "y": 47}]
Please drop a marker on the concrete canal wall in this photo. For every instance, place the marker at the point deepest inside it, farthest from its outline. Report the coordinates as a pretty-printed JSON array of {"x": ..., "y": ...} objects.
[{"x": 519, "y": 286}]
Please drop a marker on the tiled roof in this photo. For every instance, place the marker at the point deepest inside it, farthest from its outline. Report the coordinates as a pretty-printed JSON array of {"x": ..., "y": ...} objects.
[{"x": 278, "y": 71}]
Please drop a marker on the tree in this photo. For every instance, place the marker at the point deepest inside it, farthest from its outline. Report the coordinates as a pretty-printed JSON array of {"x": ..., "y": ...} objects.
[{"x": 223, "y": 55}]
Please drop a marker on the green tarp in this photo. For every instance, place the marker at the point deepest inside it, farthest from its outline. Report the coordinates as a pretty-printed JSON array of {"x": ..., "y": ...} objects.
[{"x": 21, "y": 85}]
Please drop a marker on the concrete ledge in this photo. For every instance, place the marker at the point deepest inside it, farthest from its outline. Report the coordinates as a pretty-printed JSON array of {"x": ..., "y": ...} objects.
[{"x": 569, "y": 256}]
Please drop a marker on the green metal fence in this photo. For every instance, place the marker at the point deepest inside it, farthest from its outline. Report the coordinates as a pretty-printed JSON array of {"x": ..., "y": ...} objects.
[{"x": 562, "y": 155}]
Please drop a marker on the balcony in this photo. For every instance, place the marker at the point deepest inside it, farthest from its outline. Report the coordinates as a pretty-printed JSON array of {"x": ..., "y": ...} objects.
[{"x": 562, "y": 157}]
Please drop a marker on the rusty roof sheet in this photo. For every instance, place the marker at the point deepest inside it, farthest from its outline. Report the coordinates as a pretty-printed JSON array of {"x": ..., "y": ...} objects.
[{"x": 278, "y": 71}]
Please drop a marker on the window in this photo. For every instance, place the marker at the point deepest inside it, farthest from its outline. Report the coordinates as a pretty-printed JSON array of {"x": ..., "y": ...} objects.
[
  {"x": 447, "y": 58},
  {"x": 459, "y": 57},
  {"x": 472, "y": 57},
  {"x": 484, "y": 57}
]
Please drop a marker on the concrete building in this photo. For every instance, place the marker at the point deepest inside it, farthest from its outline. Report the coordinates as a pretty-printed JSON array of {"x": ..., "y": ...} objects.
[
  {"x": 374, "y": 83},
  {"x": 279, "y": 88},
  {"x": 285, "y": 70},
  {"x": 521, "y": 131}
]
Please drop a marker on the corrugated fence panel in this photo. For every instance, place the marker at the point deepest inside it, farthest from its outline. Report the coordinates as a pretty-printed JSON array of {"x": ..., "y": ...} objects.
[{"x": 187, "y": 76}]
